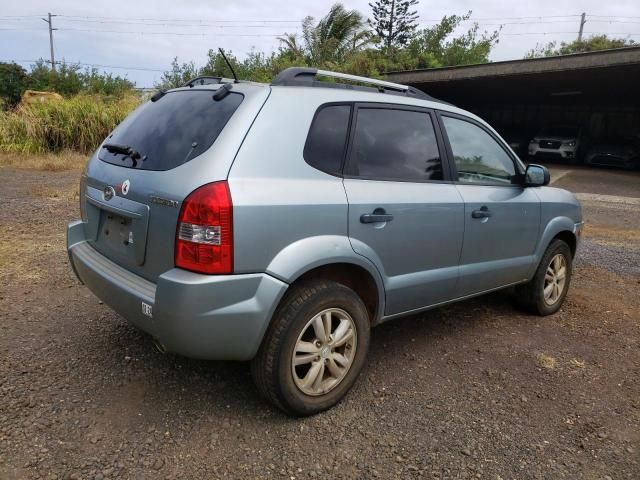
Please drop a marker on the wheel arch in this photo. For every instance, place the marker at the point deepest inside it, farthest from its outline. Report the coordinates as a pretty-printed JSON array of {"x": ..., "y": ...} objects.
[
  {"x": 569, "y": 238},
  {"x": 559, "y": 227},
  {"x": 331, "y": 257}
]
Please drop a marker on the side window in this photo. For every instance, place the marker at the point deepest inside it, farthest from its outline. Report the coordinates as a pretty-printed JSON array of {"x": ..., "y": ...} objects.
[
  {"x": 327, "y": 138},
  {"x": 394, "y": 145},
  {"x": 479, "y": 158}
]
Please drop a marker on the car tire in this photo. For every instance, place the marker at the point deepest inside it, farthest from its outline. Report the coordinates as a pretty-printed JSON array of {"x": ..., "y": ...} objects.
[
  {"x": 307, "y": 313},
  {"x": 545, "y": 293}
]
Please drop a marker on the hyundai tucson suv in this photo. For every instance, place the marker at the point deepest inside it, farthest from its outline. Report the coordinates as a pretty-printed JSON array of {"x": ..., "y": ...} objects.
[{"x": 279, "y": 223}]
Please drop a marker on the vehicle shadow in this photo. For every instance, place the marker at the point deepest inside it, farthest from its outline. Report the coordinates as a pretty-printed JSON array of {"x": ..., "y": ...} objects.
[{"x": 139, "y": 382}]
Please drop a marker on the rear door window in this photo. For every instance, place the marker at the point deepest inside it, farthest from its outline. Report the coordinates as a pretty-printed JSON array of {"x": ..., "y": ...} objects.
[
  {"x": 327, "y": 138},
  {"x": 172, "y": 130},
  {"x": 390, "y": 144}
]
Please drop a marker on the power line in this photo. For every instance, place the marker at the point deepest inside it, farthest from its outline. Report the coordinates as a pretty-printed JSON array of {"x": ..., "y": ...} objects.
[
  {"x": 183, "y": 19},
  {"x": 199, "y": 24},
  {"x": 612, "y": 16},
  {"x": 197, "y": 34},
  {"x": 146, "y": 69},
  {"x": 142, "y": 33}
]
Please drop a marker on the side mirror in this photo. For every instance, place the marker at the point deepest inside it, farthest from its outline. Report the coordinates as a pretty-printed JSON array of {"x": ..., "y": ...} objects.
[{"x": 536, "y": 176}]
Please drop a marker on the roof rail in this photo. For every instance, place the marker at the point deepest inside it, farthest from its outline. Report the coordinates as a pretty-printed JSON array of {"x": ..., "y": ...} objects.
[
  {"x": 203, "y": 80},
  {"x": 308, "y": 76}
]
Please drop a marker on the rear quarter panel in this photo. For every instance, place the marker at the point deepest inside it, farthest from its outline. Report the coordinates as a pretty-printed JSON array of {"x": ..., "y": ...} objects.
[{"x": 288, "y": 216}]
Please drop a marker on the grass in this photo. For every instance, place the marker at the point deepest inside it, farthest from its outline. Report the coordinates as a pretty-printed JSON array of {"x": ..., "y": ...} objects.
[
  {"x": 77, "y": 124},
  {"x": 546, "y": 361}
]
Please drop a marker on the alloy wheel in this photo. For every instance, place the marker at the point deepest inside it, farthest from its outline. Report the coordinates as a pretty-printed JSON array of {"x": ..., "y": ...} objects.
[
  {"x": 324, "y": 352},
  {"x": 555, "y": 279}
]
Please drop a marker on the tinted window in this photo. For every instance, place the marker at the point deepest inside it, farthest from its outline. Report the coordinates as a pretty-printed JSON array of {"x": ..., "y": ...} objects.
[
  {"x": 395, "y": 144},
  {"x": 479, "y": 158},
  {"x": 327, "y": 137},
  {"x": 173, "y": 130}
]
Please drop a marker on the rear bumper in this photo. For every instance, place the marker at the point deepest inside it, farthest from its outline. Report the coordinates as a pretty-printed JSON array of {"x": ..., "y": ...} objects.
[{"x": 217, "y": 317}]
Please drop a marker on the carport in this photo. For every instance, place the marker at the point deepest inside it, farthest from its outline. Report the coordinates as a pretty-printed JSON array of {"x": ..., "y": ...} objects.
[{"x": 598, "y": 91}]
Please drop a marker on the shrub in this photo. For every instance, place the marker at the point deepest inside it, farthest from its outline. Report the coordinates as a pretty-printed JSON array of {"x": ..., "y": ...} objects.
[{"x": 78, "y": 123}]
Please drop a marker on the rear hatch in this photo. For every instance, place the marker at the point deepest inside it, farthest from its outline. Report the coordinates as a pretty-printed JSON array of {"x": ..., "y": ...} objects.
[{"x": 136, "y": 181}]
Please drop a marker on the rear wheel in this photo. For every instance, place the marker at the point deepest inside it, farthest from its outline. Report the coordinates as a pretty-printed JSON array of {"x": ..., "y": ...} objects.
[
  {"x": 314, "y": 349},
  {"x": 546, "y": 291}
]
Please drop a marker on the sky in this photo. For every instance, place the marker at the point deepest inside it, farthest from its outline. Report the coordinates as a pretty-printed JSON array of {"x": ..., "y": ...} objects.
[{"x": 144, "y": 35}]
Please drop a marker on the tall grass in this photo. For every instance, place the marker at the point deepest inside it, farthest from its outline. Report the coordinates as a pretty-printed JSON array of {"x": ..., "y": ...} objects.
[{"x": 78, "y": 124}]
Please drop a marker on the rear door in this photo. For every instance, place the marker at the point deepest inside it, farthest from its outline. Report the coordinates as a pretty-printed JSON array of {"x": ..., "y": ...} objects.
[
  {"x": 501, "y": 217},
  {"x": 404, "y": 213}
]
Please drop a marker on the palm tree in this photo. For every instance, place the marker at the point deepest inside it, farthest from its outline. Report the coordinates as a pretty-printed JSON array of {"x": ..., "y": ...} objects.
[{"x": 337, "y": 34}]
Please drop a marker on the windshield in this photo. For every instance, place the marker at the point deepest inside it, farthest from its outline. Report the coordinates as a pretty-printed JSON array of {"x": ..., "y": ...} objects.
[
  {"x": 567, "y": 132},
  {"x": 170, "y": 131}
]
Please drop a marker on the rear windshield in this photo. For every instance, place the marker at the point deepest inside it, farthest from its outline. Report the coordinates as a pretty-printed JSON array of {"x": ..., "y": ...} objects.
[{"x": 170, "y": 131}]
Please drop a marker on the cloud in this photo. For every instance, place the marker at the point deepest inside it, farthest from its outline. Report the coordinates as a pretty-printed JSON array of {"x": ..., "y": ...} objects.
[{"x": 152, "y": 45}]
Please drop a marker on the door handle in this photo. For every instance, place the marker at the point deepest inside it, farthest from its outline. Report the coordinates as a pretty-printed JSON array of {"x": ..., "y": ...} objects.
[
  {"x": 379, "y": 215},
  {"x": 482, "y": 212}
]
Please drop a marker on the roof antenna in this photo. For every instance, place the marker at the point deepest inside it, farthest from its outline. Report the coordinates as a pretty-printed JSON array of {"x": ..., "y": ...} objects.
[{"x": 235, "y": 77}]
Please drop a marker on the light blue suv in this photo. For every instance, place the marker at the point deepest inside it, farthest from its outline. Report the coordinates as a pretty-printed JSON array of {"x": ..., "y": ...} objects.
[{"x": 279, "y": 223}]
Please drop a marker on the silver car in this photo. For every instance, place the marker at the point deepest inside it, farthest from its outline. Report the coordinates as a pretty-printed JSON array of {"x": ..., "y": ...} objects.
[
  {"x": 279, "y": 223},
  {"x": 556, "y": 143}
]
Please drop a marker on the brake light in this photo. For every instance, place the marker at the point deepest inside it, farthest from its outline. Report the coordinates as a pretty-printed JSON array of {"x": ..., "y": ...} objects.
[{"x": 204, "y": 237}]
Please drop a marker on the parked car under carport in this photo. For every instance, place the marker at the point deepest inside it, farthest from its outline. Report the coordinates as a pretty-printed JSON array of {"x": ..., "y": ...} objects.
[{"x": 622, "y": 152}]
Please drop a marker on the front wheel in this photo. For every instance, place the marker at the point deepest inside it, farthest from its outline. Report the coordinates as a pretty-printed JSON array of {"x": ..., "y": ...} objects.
[
  {"x": 314, "y": 349},
  {"x": 545, "y": 293}
]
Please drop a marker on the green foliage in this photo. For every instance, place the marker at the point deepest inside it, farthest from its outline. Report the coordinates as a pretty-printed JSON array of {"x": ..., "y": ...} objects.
[
  {"x": 436, "y": 47},
  {"x": 339, "y": 41},
  {"x": 13, "y": 82},
  {"x": 78, "y": 123},
  {"x": 69, "y": 79},
  {"x": 591, "y": 44},
  {"x": 178, "y": 75},
  {"x": 338, "y": 34},
  {"x": 394, "y": 22}
]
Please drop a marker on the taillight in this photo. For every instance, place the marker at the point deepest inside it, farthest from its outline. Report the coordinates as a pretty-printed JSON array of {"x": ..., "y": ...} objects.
[{"x": 204, "y": 238}]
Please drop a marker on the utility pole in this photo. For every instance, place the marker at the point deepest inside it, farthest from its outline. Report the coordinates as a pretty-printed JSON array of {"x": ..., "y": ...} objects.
[
  {"x": 583, "y": 20},
  {"x": 51, "y": 29}
]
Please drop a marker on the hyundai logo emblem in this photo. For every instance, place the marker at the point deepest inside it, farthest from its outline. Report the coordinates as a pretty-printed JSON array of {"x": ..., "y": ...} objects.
[{"x": 108, "y": 193}]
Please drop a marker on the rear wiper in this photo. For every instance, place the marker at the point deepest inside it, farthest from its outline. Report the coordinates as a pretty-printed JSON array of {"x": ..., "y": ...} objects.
[{"x": 123, "y": 150}]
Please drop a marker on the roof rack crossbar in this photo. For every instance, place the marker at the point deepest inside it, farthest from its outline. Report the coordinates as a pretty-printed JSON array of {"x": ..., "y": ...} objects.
[
  {"x": 308, "y": 76},
  {"x": 301, "y": 73},
  {"x": 370, "y": 81}
]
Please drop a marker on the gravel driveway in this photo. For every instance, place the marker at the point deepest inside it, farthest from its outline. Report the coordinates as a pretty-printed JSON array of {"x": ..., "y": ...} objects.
[{"x": 473, "y": 390}]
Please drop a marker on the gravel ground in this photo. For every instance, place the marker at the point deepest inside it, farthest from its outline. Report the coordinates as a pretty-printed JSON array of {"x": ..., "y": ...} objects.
[{"x": 473, "y": 390}]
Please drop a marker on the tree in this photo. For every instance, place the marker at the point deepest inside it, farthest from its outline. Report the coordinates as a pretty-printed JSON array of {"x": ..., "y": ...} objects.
[
  {"x": 328, "y": 42},
  {"x": 435, "y": 46},
  {"x": 13, "y": 83},
  {"x": 178, "y": 75},
  {"x": 394, "y": 22},
  {"x": 591, "y": 44},
  {"x": 69, "y": 79}
]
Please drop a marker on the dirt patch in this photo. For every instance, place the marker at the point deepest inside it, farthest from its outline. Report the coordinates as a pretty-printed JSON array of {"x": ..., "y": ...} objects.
[
  {"x": 50, "y": 162},
  {"x": 619, "y": 237},
  {"x": 474, "y": 390}
]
